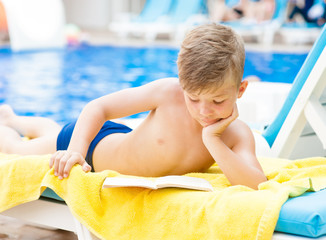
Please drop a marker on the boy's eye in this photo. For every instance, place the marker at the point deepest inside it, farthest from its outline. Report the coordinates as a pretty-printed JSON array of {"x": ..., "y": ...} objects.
[
  {"x": 218, "y": 102},
  {"x": 193, "y": 99}
]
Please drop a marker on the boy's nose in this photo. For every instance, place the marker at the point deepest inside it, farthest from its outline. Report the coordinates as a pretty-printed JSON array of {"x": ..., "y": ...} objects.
[{"x": 205, "y": 110}]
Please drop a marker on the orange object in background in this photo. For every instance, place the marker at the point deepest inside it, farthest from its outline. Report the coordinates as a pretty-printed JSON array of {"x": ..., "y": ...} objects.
[{"x": 3, "y": 19}]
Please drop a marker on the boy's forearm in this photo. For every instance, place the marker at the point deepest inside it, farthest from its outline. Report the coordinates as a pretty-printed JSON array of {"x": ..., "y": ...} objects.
[
  {"x": 87, "y": 126},
  {"x": 236, "y": 170}
]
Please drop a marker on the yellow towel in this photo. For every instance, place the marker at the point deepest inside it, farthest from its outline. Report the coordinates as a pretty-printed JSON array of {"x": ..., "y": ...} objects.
[{"x": 230, "y": 212}]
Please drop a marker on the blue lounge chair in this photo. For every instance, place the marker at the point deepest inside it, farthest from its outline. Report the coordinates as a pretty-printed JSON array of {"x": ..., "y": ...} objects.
[
  {"x": 153, "y": 11},
  {"x": 304, "y": 215},
  {"x": 177, "y": 16},
  {"x": 302, "y": 104},
  {"x": 183, "y": 15},
  {"x": 185, "y": 9}
]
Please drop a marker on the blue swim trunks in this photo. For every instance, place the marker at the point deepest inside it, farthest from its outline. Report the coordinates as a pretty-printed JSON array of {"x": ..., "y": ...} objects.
[{"x": 108, "y": 128}]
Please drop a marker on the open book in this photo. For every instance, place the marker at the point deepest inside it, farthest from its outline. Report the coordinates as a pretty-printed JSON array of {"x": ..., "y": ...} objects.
[{"x": 161, "y": 182}]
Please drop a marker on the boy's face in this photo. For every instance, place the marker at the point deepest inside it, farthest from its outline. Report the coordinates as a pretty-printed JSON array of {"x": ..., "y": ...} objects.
[{"x": 209, "y": 107}]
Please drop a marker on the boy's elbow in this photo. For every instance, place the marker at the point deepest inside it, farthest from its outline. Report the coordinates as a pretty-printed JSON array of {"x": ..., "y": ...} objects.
[
  {"x": 258, "y": 180},
  {"x": 95, "y": 109},
  {"x": 252, "y": 179},
  {"x": 92, "y": 104}
]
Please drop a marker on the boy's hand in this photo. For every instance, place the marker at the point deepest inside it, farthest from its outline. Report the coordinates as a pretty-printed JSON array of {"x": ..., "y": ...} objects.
[
  {"x": 216, "y": 129},
  {"x": 63, "y": 161}
]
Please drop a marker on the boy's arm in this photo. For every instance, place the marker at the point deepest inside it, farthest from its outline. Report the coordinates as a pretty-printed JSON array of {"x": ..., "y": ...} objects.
[
  {"x": 238, "y": 163},
  {"x": 116, "y": 105}
]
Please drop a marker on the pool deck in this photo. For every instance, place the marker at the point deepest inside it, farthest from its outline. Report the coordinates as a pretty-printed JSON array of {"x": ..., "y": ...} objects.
[
  {"x": 103, "y": 37},
  {"x": 12, "y": 229},
  {"x": 98, "y": 37}
]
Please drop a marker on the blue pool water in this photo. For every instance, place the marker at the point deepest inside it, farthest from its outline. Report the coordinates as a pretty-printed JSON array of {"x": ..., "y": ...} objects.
[{"x": 58, "y": 83}]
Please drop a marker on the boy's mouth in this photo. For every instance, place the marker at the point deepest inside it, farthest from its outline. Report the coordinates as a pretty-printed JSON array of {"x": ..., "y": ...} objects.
[{"x": 207, "y": 122}]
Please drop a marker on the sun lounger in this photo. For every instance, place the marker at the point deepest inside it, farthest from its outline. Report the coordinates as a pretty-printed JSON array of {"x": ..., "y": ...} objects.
[
  {"x": 306, "y": 214},
  {"x": 172, "y": 18},
  {"x": 184, "y": 15},
  {"x": 302, "y": 104},
  {"x": 153, "y": 11}
]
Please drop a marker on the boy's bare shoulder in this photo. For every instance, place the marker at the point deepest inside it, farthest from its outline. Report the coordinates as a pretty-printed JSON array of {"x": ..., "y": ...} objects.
[
  {"x": 242, "y": 129},
  {"x": 168, "y": 86},
  {"x": 238, "y": 132}
]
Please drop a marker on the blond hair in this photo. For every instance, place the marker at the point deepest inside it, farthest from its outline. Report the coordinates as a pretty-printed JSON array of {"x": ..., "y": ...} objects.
[{"x": 209, "y": 55}]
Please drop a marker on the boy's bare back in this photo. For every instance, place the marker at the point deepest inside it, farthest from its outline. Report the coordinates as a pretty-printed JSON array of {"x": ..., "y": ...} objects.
[{"x": 169, "y": 140}]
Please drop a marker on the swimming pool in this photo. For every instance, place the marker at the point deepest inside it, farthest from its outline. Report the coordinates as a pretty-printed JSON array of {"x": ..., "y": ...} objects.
[{"x": 58, "y": 83}]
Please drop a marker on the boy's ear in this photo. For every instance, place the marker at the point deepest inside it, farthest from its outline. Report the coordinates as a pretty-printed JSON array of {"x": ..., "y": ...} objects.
[{"x": 242, "y": 88}]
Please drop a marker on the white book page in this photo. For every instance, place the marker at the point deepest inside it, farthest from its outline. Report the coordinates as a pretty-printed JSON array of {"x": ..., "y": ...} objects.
[
  {"x": 128, "y": 182},
  {"x": 184, "y": 182}
]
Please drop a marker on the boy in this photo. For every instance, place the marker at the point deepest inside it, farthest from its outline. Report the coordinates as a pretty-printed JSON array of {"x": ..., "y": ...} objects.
[{"x": 192, "y": 121}]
